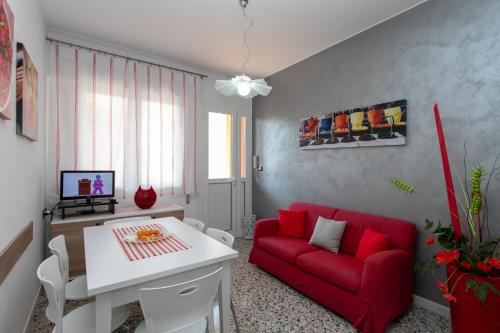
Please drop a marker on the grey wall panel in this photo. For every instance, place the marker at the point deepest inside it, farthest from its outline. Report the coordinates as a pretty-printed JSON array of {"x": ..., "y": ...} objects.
[{"x": 443, "y": 50}]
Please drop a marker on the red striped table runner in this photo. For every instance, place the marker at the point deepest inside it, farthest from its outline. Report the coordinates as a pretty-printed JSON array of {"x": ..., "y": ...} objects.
[{"x": 138, "y": 251}]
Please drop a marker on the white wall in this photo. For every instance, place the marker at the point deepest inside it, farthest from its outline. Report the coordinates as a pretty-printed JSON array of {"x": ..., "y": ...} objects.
[
  {"x": 212, "y": 100},
  {"x": 22, "y": 194}
]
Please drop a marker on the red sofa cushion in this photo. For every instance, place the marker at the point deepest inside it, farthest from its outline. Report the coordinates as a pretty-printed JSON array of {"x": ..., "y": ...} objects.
[
  {"x": 402, "y": 234},
  {"x": 312, "y": 213},
  {"x": 285, "y": 248},
  {"x": 340, "y": 269},
  {"x": 371, "y": 242},
  {"x": 291, "y": 223}
]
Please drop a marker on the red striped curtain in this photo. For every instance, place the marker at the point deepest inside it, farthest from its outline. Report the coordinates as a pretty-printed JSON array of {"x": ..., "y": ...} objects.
[{"x": 108, "y": 113}]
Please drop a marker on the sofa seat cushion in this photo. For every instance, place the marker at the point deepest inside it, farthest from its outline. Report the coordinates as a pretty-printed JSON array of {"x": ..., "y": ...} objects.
[
  {"x": 339, "y": 269},
  {"x": 285, "y": 248}
]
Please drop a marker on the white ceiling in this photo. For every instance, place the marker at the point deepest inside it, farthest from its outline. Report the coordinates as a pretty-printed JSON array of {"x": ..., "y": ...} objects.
[{"x": 207, "y": 34}]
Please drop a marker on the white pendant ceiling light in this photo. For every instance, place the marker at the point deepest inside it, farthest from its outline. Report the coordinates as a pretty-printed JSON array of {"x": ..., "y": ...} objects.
[{"x": 243, "y": 85}]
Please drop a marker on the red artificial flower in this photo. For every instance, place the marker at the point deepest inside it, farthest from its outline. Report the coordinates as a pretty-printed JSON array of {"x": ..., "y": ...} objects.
[
  {"x": 483, "y": 267},
  {"x": 429, "y": 241},
  {"x": 443, "y": 286},
  {"x": 443, "y": 257},
  {"x": 454, "y": 255},
  {"x": 494, "y": 262},
  {"x": 450, "y": 297},
  {"x": 465, "y": 265}
]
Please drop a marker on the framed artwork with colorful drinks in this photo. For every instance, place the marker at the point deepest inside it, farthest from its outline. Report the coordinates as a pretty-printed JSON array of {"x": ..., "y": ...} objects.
[
  {"x": 371, "y": 126},
  {"x": 7, "y": 63},
  {"x": 26, "y": 95}
]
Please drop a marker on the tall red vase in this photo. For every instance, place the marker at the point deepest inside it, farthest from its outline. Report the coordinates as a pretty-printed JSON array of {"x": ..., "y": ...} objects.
[
  {"x": 468, "y": 314},
  {"x": 145, "y": 199}
]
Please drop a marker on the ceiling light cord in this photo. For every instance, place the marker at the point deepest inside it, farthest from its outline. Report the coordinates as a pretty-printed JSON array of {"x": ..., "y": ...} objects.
[
  {"x": 245, "y": 42},
  {"x": 242, "y": 85}
]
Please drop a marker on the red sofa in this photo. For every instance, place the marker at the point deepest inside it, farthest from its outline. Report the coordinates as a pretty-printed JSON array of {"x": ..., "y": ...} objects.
[{"x": 368, "y": 294}]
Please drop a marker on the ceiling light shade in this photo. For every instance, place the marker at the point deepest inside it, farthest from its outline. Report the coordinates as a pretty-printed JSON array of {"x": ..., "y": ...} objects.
[{"x": 243, "y": 86}]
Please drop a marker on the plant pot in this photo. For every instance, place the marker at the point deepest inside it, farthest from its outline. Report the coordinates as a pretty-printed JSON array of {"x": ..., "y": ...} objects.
[
  {"x": 145, "y": 199},
  {"x": 468, "y": 314}
]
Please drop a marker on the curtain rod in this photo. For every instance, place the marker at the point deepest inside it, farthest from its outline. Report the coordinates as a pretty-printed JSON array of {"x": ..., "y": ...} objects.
[{"x": 52, "y": 40}]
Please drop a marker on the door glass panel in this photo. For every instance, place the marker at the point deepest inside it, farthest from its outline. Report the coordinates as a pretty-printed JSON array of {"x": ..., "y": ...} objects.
[
  {"x": 243, "y": 147},
  {"x": 219, "y": 145}
]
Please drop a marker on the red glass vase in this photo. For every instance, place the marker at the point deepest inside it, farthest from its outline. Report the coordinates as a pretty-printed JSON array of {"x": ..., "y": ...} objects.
[
  {"x": 145, "y": 199},
  {"x": 468, "y": 314}
]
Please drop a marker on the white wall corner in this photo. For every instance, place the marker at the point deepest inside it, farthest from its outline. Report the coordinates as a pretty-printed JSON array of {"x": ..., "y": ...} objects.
[{"x": 30, "y": 314}]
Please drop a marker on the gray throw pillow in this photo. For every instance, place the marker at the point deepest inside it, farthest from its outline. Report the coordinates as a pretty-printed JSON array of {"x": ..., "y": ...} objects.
[{"x": 328, "y": 234}]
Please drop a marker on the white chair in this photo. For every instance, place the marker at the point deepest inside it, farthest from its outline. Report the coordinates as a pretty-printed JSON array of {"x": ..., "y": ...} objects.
[
  {"x": 179, "y": 308},
  {"x": 222, "y": 236},
  {"x": 227, "y": 239},
  {"x": 129, "y": 219},
  {"x": 75, "y": 289},
  {"x": 80, "y": 320},
  {"x": 198, "y": 225}
]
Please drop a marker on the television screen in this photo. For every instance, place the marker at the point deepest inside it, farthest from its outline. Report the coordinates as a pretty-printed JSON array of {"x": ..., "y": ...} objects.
[{"x": 85, "y": 184}]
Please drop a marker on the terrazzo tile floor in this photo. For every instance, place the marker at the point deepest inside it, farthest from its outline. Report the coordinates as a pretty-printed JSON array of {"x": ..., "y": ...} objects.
[{"x": 264, "y": 304}]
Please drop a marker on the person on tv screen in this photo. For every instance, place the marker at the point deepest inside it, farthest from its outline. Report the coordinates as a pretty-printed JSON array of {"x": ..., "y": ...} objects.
[{"x": 98, "y": 185}]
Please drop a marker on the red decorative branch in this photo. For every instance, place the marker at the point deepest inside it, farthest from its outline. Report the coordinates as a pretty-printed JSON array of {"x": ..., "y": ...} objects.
[{"x": 452, "y": 201}]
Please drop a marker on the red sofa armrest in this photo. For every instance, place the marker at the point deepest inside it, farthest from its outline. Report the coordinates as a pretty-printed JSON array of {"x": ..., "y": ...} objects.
[
  {"x": 388, "y": 279},
  {"x": 266, "y": 227}
]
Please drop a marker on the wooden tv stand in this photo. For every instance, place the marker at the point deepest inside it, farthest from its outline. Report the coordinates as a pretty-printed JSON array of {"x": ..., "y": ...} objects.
[{"x": 72, "y": 228}]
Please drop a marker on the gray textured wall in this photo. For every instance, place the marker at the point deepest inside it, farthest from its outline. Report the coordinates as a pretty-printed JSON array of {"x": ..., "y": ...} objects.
[{"x": 444, "y": 50}]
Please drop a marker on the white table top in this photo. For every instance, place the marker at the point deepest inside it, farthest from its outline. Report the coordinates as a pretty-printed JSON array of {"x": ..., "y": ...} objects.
[{"x": 108, "y": 268}]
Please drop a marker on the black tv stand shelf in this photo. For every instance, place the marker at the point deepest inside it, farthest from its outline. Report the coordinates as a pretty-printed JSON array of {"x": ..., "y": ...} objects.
[{"x": 91, "y": 203}]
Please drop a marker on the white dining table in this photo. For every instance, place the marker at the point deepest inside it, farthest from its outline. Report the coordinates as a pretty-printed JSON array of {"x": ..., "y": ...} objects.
[{"x": 114, "y": 280}]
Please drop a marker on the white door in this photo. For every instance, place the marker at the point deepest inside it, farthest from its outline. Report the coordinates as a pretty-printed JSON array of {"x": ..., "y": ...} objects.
[{"x": 229, "y": 173}]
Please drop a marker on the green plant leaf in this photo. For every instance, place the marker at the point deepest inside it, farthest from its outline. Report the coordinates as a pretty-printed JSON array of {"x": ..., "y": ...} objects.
[
  {"x": 446, "y": 242},
  {"x": 428, "y": 224},
  {"x": 469, "y": 284},
  {"x": 463, "y": 241},
  {"x": 485, "y": 249},
  {"x": 445, "y": 236},
  {"x": 481, "y": 289},
  {"x": 425, "y": 266}
]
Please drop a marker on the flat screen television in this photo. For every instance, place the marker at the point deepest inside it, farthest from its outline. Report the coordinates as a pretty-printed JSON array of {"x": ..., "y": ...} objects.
[{"x": 87, "y": 184}]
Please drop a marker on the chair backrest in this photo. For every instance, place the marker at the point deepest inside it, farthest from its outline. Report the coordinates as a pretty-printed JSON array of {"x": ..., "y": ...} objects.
[
  {"x": 222, "y": 236},
  {"x": 57, "y": 246},
  {"x": 173, "y": 307},
  {"x": 50, "y": 276},
  {"x": 198, "y": 225},
  {"x": 129, "y": 219}
]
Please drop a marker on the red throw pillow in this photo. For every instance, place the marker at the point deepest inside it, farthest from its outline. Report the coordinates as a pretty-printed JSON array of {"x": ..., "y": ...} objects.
[
  {"x": 371, "y": 242},
  {"x": 291, "y": 223}
]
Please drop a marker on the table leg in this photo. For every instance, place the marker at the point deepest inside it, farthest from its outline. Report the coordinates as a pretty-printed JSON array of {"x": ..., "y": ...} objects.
[
  {"x": 103, "y": 313},
  {"x": 225, "y": 298}
]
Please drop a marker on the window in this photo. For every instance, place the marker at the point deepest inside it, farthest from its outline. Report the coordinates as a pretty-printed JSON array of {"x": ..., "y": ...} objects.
[
  {"x": 111, "y": 113},
  {"x": 220, "y": 145}
]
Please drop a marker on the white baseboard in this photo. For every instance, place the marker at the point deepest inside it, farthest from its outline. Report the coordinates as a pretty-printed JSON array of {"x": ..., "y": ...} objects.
[
  {"x": 432, "y": 306},
  {"x": 32, "y": 308}
]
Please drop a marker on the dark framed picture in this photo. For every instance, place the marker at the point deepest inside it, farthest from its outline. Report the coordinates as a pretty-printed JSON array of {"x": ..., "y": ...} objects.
[
  {"x": 375, "y": 125},
  {"x": 7, "y": 61},
  {"x": 26, "y": 95}
]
